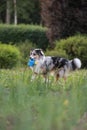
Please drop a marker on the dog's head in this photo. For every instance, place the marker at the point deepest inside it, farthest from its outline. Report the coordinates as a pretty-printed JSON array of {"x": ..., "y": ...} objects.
[{"x": 36, "y": 54}]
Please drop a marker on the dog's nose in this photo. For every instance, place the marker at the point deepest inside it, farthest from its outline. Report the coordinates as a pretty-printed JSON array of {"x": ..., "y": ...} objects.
[{"x": 31, "y": 57}]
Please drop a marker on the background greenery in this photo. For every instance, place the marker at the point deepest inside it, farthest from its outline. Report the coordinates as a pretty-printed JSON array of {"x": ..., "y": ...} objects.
[
  {"x": 28, "y": 11},
  {"x": 26, "y": 37},
  {"x": 75, "y": 46},
  {"x": 71, "y": 47},
  {"x": 9, "y": 56},
  {"x": 16, "y": 34}
]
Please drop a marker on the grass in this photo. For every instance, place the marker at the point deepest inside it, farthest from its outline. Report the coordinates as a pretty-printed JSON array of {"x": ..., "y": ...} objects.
[{"x": 26, "y": 105}]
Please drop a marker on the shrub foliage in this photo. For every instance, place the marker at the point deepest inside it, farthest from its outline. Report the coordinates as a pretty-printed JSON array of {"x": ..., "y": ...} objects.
[
  {"x": 60, "y": 52},
  {"x": 75, "y": 46},
  {"x": 21, "y": 33},
  {"x": 9, "y": 56},
  {"x": 25, "y": 51}
]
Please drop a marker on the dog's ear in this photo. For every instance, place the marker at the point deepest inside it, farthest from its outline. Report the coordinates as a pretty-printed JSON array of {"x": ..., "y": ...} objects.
[{"x": 41, "y": 51}]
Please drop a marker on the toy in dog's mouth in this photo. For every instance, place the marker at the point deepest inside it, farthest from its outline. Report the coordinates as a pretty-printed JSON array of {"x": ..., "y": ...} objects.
[{"x": 31, "y": 62}]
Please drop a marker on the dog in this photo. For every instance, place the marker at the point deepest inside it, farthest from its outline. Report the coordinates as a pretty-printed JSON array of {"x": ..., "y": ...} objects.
[{"x": 58, "y": 66}]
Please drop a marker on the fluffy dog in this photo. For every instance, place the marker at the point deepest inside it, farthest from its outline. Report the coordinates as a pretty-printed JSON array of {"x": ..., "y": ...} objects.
[{"x": 58, "y": 66}]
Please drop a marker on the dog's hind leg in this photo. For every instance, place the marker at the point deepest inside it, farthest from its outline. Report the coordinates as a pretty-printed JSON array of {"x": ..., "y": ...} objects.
[
  {"x": 65, "y": 78},
  {"x": 57, "y": 77}
]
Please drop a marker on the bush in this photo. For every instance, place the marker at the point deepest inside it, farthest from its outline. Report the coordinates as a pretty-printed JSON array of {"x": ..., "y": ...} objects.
[
  {"x": 21, "y": 33},
  {"x": 75, "y": 46},
  {"x": 9, "y": 56},
  {"x": 25, "y": 51},
  {"x": 59, "y": 52}
]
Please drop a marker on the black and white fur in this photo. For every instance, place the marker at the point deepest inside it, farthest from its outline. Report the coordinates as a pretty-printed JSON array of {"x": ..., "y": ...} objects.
[{"x": 58, "y": 66}]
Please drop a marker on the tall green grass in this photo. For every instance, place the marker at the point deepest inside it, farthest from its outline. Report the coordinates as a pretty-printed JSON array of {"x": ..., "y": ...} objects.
[{"x": 26, "y": 105}]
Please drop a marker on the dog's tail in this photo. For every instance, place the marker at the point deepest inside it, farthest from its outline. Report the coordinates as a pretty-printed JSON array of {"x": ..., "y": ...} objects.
[{"x": 76, "y": 63}]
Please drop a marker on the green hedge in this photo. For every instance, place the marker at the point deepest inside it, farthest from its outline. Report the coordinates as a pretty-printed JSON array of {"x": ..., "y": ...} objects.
[
  {"x": 9, "y": 56},
  {"x": 75, "y": 46},
  {"x": 20, "y": 33}
]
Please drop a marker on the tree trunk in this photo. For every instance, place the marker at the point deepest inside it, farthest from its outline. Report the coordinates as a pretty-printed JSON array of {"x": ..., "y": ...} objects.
[
  {"x": 15, "y": 12},
  {"x": 8, "y": 11}
]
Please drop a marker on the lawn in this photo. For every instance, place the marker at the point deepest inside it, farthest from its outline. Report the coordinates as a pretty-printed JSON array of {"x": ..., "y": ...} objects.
[{"x": 26, "y": 105}]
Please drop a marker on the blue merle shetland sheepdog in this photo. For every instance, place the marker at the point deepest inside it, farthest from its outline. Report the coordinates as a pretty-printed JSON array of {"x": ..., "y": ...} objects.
[{"x": 58, "y": 66}]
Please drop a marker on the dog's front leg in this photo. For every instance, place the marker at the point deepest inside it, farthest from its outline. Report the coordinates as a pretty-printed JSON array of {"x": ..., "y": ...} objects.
[
  {"x": 46, "y": 78},
  {"x": 33, "y": 76}
]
